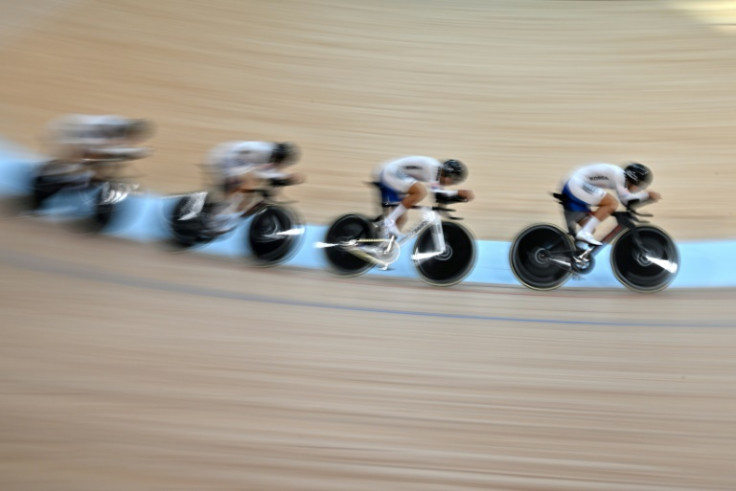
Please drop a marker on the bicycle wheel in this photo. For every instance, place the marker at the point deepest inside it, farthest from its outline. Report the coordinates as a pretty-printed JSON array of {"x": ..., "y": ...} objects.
[
  {"x": 188, "y": 231},
  {"x": 46, "y": 183},
  {"x": 345, "y": 229},
  {"x": 648, "y": 264},
  {"x": 534, "y": 253},
  {"x": 104, "y": 209},
  {"x": 453, "y": 264},
  {"x": 274, "y": 234}
]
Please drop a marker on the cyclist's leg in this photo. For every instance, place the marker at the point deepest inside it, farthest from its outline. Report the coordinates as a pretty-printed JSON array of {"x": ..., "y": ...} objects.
[
  {"x": 236, "y": 193},
  {"x": 410, "y": 191},
  {"x": 243, "y": 197},
  {"x": 416, "y": 193},
  {"x": 576, "y": 211},
  {"x": 592, "y": 196}
]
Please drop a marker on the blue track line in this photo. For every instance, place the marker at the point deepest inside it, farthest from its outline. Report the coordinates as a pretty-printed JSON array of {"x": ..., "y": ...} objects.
[
  {"x": 38, "y": 264},
  {"x": 704, "y": 264}
]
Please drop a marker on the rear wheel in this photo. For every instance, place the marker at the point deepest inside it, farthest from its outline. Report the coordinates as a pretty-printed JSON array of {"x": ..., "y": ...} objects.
[
  {"x": 274, "y": 234},
  {"x": 540, "y": 256},
  {"x": 345, "y": 229},
  {"x": 47, "y": 182},
  {"x": 453, "y": 264},
  {"x": 648, "y": 264}
]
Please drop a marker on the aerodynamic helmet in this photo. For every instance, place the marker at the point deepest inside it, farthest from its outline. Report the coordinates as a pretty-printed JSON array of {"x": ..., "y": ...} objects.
[
  {"x": 455, "y": 170},
  {"x": 285, "y": 153},
  {"x": 638, "y": 174}
]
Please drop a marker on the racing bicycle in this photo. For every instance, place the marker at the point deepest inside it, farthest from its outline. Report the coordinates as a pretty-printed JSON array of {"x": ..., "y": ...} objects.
[
  {"x": 644, "y": 258},
  {"x": 97, "y": 184},
  {"x": 443, "y": 253},
  {"x": 273, "y": 234}
]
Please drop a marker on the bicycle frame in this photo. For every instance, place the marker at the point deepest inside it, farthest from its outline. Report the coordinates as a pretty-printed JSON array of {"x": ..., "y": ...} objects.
[
  {"x": 434, "y": 220},
  {"x": 263, "y": 202},
  {"x": 390, "y": 253},
  {"x": 624, "y": 221},
  {"x": 200, "y": 197}
]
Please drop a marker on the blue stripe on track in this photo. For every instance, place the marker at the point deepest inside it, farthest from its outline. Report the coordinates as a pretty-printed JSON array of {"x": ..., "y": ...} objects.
[{"x": 38, "y": 264}]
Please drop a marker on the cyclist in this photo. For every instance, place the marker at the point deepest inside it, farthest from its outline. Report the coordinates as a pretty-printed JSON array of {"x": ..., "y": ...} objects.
[
  {"x": 240, "y": 167},
  {"x": 82, "y": 141},
  {"x": 87, "y": 149},
  {"x": 401, "y": 180},
  {"x": 587, "y": 187}
]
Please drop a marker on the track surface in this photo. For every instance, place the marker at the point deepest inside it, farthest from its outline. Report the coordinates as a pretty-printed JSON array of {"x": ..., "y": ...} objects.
[{"x": 125, "y": 366}]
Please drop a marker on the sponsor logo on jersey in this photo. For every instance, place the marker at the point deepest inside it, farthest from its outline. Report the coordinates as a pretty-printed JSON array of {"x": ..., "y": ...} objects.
[{"x": 588, "y": 188}]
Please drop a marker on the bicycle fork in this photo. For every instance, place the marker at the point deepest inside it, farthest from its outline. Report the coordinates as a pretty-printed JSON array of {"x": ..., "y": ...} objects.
[
  {"x": 438, "y": 239},
  {"x": 194, "y": 206}
]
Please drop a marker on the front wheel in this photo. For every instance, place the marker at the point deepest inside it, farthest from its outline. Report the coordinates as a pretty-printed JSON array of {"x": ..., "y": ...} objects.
[
  {"x": 645, "y": 259},
  {"x": 540, "y": 257},
  {"x": 450, "y": 266},
  {"x": 104, "y": 209},
  {"x": 188, "y": 220},
  {"x": 347, "y": 229},
  {"x": 274, "y": 234},
  {"x": 106, "y": 203}
]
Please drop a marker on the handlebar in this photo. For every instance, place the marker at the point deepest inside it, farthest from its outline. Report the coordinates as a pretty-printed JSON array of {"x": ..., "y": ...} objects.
[
  {"x": 632, "y": 205},
  {"x": 273, "y": 186},
  {"x": 444, "y": 198},
  {"x": 631, "y": 215},
  {"x": 280, "y": 182}
]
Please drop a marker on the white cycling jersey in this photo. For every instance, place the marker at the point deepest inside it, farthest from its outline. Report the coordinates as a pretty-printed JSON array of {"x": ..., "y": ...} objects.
[
  {"x": 402, "y": 173},
  {"x": 236, "y": 159},
  {"x": 590, "y": 182},
  {"x": 75, "y": 136}
]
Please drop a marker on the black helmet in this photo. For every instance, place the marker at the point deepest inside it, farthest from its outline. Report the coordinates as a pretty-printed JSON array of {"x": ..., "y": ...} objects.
[
  {"x": 285, "y": 153},
  {"x": 638, "y": 174},
  {"x": 455, "y": 170}
]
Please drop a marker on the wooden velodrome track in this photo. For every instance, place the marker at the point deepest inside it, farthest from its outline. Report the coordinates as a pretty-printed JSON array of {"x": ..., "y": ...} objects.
[{"x": 123, "y": 366}]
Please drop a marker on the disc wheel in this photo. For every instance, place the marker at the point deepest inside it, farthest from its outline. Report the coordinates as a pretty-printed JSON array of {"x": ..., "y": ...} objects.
[
  {"x": 190, "y": 231},
  {"x": 274, "y": 234},
  {"x": 104, "y": 209},
  {"x": 533, "y": 254},
  {"x": 453, "y": 264},
  {"x": 647, "y": 265},
  {"x": 44, "y": 185},
  {"x": 345, "y": 229}
]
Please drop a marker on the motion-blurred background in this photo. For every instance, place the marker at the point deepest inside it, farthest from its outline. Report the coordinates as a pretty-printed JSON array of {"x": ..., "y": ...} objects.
[{"x": 149, "y": 382}]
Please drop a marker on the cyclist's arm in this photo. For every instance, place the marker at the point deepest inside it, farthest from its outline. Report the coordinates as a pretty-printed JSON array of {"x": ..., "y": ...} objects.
[
  {"x": 625, "y": 195},
  {"x": 439, "y": 190}
]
